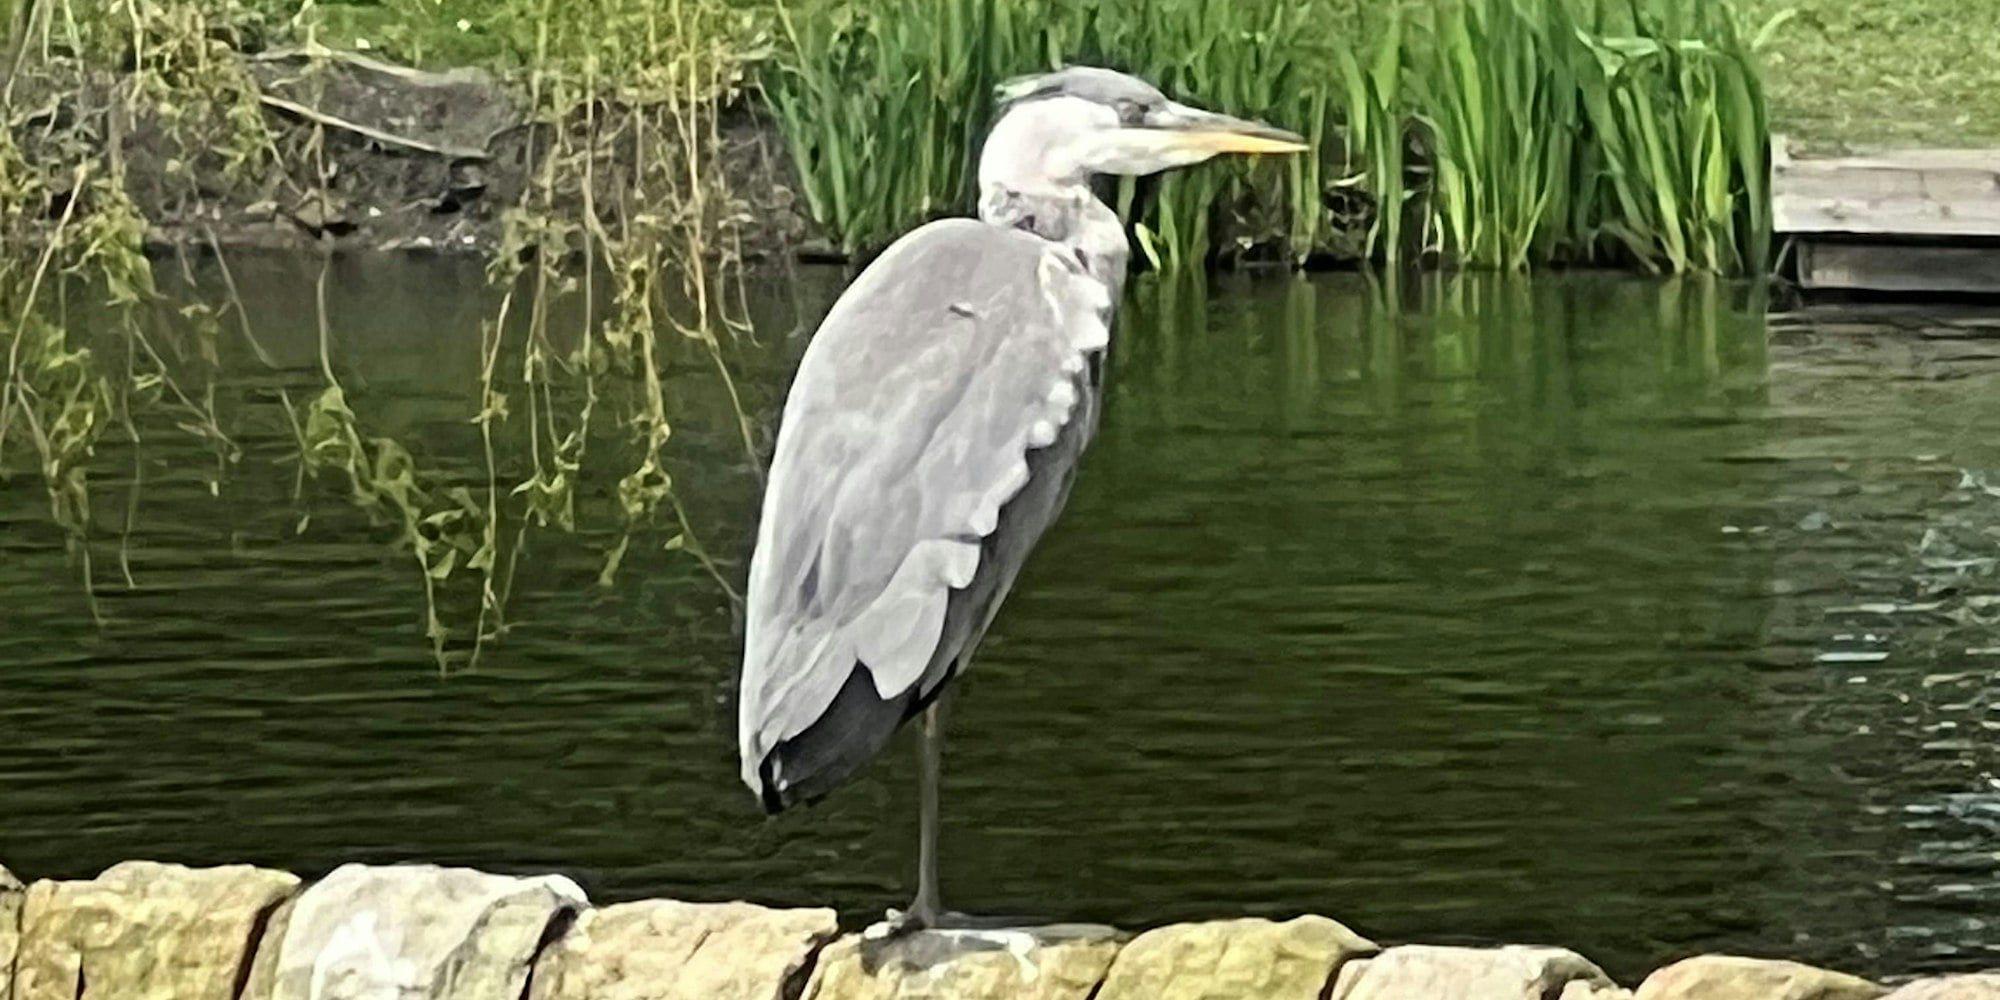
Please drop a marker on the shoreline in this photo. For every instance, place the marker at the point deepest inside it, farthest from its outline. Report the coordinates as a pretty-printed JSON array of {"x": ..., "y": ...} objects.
[
  {"x": 357, "y": 154},
  {"x": 238, "y": 931}
]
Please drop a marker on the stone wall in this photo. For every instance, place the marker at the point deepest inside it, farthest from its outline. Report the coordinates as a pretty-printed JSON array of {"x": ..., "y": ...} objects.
[{"x": 149, "y": 931}]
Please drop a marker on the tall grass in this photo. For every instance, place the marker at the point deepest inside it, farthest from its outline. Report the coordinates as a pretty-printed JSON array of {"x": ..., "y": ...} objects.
[
  {"x": 1498, "y": 96},
  {"x": 1479, "y": 133},
  {"x": 1262, "y": 59},
  {"x": 876, "y": 107},
  {"x": 882, "y": 104},
  {"x": 1372, "y": 123},
  {"x": 1579, "y": 129},
  {"x": 1682, "y": 134}
]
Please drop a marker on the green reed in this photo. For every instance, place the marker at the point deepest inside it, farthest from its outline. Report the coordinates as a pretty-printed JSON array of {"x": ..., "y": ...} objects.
[
  {"x": 1373, "y": 131},
  {"x": 1680, "y": 134},
  {"x": 1497, "y": 96},
  {"x": 1575, "y": 130},
  {"x": 877, "y": 104},
  {"x": 882, "y": 106},
  {"x": 1265, "y": 59},
  {"x": 1478, "y": 133}
]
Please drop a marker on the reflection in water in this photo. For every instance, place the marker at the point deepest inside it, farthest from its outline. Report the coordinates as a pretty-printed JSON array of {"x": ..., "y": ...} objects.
[{"x": 1470, "y": 607}]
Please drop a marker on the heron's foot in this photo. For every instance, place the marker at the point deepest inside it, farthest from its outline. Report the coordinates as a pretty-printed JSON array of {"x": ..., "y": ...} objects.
[
  {"x": 981, "y": 922},
  {"x": 895, "y": 924},
  {"x": 921, "y": 916},
  {"x": 898, "y": 923}
]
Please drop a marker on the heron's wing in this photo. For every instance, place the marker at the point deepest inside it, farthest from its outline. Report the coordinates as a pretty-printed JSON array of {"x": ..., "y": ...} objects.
[{"x": 906, "y": 430}]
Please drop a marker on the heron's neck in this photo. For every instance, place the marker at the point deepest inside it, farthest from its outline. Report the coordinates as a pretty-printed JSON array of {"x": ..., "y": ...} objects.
[{"x": 1068, "y": 214}]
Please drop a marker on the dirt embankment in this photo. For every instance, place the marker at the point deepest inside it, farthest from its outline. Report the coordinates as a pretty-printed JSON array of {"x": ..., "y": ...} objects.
[{"x": 305, "y": 148}]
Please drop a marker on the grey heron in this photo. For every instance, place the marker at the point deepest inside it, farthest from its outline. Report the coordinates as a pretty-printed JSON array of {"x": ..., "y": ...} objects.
[{"x": 932, "y": 433}]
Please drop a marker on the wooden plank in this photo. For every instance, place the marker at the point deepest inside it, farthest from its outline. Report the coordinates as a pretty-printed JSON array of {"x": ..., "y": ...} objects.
[
  {"x": 1890, "y": 268},
  {"x": 1940, "y": 193}
]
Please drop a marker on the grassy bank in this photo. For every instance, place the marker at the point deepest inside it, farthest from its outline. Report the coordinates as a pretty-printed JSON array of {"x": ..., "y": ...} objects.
[
  {"x": 1842, "y": 72},
  {"x": 1885, "y": 72}
]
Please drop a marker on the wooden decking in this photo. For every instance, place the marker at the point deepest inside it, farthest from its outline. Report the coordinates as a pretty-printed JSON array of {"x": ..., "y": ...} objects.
[{"x": 1911, "y": 221}]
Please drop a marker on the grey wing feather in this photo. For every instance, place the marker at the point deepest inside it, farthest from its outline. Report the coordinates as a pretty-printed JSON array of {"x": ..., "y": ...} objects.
[{"x": 907, "y": 429}]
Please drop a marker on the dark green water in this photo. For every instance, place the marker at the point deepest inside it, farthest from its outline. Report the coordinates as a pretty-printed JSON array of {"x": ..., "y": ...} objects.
[{"x": 1591, "y": 611}]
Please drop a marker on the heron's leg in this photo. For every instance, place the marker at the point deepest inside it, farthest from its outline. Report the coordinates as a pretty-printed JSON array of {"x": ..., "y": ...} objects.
[
  {"x": 927, "y": 908},
  {"x": 928, "y": 912}
]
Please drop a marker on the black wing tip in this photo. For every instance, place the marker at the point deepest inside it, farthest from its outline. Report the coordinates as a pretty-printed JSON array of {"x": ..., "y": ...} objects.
[
  {"x": 768, "y": 795},
  {"x": 847, "y": 735},
  {"x": 776, "y": 798}
]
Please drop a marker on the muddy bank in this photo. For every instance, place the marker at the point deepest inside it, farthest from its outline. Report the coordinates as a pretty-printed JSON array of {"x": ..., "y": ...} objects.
[
  {"x": 143, "y": 928},
  {"x": 288, "y": 149}
]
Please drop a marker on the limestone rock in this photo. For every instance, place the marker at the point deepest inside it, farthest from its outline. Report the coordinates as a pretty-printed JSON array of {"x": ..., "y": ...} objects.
[
  {"x": 1983, "y": 986},
  {"x": 1579, "y": 989},
  {"x": 145, "y": 931},
  {"x": 1732, "y": 977},
  {"x": 1431, "y": 972},
  {"x": 414, "y": 932},
  {"x": 1065, "y": 962},
  {"x": 1252, "y": 959},
  {"x": 659, "y": 949},
  {"x": 10, "y": 925}
]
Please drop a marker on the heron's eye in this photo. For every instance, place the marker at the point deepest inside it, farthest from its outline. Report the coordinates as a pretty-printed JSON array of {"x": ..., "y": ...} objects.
[{"x": 1130, "y": 112}]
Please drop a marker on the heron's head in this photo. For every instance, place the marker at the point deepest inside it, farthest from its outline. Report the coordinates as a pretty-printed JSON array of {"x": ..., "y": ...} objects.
[{"x": 1067, "y": 126}]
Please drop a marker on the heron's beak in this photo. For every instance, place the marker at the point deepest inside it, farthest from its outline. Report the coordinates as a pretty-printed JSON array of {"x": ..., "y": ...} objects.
[
  {"x": 1176, "y": 135},
  {"x": 1211, "y": 133}
]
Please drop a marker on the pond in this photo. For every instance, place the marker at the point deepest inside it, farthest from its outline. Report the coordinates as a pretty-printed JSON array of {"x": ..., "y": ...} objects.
[{"x": 1588, "y": 610}]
